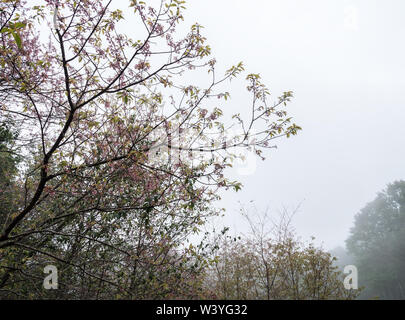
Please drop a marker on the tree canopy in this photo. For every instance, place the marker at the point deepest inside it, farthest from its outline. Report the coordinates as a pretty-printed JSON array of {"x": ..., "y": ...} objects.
[
  {"x": 120, "y": 159},
  {"x": 377, "y": 242}
]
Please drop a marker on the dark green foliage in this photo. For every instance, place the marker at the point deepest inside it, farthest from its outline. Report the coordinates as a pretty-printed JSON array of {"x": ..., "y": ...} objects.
[
  {"x": 8, "y": 170},
  {"x": 377, "y": 242}
]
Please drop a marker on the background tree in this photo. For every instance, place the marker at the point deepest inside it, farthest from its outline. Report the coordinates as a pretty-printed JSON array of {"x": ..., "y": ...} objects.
[
  {"x": 273, "y": 264},
  {"x": 93, "y": 106},
  {"x": 343, "y": 257},
  {"x": 377, "y": 242}
]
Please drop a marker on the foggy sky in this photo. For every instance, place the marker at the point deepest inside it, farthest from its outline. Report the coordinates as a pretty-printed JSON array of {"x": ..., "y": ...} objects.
[{"x": 345, "y": 62}]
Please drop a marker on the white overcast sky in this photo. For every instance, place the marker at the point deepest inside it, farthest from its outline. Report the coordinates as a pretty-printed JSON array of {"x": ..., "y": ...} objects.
[{"x": 345, "y": 62}]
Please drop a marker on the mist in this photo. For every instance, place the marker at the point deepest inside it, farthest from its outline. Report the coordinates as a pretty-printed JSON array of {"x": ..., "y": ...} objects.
[{"x": 344, "y": 62}]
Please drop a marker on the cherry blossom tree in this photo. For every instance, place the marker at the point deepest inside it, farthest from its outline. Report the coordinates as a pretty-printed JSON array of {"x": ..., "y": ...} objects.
[{"x": 96, "y": 94}]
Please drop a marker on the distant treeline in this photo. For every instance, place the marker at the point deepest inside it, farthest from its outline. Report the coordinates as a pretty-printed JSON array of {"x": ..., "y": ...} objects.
[{"x": 376, "y": 245}]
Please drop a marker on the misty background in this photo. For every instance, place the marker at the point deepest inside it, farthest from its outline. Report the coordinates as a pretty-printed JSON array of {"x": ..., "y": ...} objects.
[{"x": 344, "y": 61}]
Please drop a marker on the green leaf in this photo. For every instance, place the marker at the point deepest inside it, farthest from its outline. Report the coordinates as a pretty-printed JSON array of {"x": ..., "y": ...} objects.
[{"x": 17, "y": 39}]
